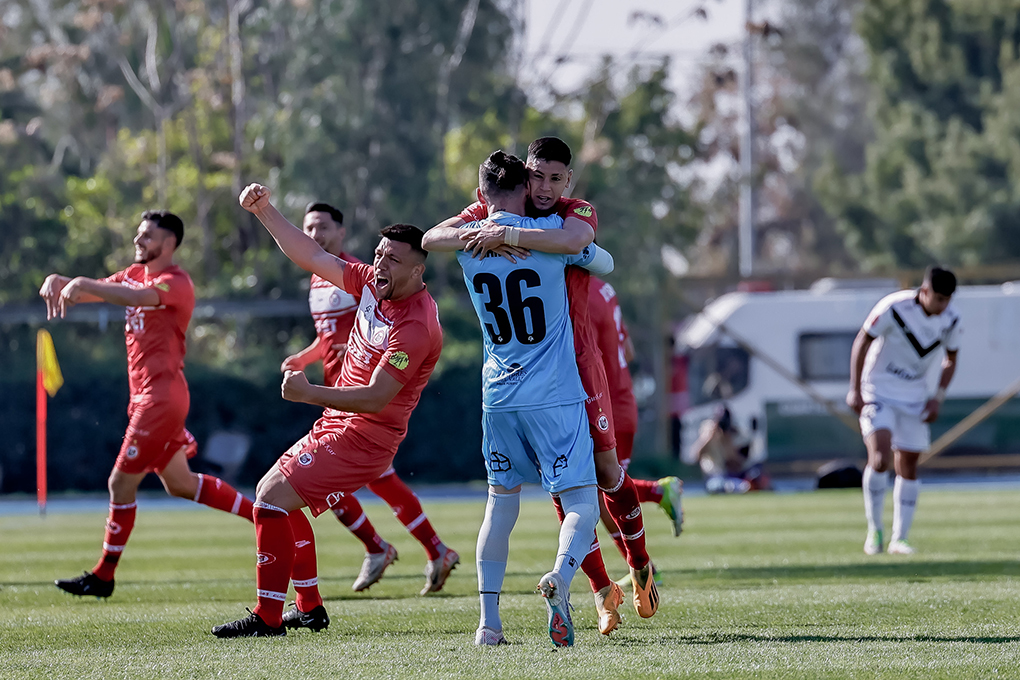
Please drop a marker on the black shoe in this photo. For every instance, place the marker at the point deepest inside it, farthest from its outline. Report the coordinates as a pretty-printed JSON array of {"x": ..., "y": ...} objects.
[
  {"x": 86, "y": 584},
  {"x": 317, "y": 619},
  {"x": 249, "y": 626}
]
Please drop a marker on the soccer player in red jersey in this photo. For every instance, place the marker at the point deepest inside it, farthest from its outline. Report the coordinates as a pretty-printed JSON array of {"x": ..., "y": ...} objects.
[
  {"x": 159, "y": 298},
  {"x": 391, "y": 352},
  {"x": 549, "y": 172},
  {"x": 333, "y": 310},
  {"x": 617, "y": 351}
]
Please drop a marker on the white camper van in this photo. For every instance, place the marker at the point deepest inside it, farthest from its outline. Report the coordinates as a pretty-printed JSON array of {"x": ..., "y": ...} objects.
[{"x": 810, "y": 334}]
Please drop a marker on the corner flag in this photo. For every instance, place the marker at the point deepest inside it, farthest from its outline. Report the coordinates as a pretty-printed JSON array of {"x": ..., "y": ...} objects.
[{"x": 48, "y": 380}]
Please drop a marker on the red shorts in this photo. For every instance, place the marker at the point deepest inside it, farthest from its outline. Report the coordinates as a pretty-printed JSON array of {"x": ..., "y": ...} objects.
[
  {"x": 156, "y": 432},
  {"x": 624, "y": 448},
  {"x": 598, "y": 406},
  {"x": 323, "y": 469}
]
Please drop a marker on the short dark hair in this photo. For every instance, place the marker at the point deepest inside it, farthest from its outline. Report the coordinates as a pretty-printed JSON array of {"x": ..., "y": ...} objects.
[
  {"x": 550, "y": 149},
  {"x": 406, "y": 233},
  {"x": 940, "y": 280},
  {"x": 165, "y": 219},
  {"x": 501, "y": 173},
  {"x": 337, "y": 216}
]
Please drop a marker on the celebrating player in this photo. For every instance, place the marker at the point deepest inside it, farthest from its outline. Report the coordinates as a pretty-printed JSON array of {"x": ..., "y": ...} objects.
[
  {"x": 333, "y": 310},
  {"x": 391, "y": 351},
  {"x": 888, "y": 389},
  {"x": 159, "y": 299},
  {"x": 533, "y": 420},
  {"x": 617, "y": 350},
  {"x": 549, "y": 174}
]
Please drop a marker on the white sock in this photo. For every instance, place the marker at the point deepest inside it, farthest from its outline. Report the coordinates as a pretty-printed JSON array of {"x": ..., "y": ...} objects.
[
  {"x": 905, "y": 492},
  {"x": 492, "y": 551},
  {"x": 875, "y": 484},
  {"x": 581, "y": 515}
]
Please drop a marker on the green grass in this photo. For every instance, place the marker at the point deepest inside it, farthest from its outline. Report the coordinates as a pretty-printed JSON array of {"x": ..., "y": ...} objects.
[{"x": 758, "y": 586}]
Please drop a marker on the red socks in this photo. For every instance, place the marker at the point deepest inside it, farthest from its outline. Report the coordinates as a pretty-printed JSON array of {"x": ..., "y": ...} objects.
[
  {"x": 592, "y": 565},
  {"x": 119, "y": 524},
  {"x": 348, "y": 510},
  {"x": 648, "y": 491},
  {"x": 623, "y": 505},
  {"x": 407, "y": 508},
  {"x": 304, "y": 575},
  {"x": 274, "y": 539},
  {"x": 216, "y": 493}
]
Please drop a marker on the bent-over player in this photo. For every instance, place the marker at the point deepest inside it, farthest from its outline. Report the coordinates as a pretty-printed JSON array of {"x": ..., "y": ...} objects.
[{"x": 889, "y": 363}]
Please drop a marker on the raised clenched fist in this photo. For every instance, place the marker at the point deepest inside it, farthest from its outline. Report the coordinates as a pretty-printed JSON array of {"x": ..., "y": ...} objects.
[{"x": 254, "y": 198}]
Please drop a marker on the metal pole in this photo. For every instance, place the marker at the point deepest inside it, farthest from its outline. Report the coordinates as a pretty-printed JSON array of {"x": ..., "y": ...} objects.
[{"x": 746, "y": 229}]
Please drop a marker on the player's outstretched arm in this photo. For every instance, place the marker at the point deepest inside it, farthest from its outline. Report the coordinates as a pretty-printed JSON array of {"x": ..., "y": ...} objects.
[
  {"x": 370, "y": 398},
  {"x": 595, "y": 259},
  {"x": 295, "y": 244},
  {"x": 444, "y": 237},
  {"x": 82, "y": 289}
]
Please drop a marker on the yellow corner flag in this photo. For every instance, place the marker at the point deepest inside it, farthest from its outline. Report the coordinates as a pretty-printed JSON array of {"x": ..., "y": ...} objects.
[{"x": 46, "y": 362}]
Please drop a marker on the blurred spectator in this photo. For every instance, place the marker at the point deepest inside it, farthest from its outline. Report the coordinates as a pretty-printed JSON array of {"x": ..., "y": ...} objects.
[{"x": 722, "y": 452}]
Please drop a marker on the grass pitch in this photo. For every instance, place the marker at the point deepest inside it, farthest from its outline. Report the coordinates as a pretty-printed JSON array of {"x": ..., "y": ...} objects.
[{"x": 758, "y": 586}]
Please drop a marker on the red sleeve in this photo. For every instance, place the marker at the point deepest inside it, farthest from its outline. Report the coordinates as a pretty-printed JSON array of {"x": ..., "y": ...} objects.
[
  {"x": 174, "y": 290},
  {"x": 356, "y": 275},
  {"x": 409, "y": 345},
  {"x": 117, "y": 277},
  {"x": 582, "y": 210},
  {"x": 474, "y": 212}
]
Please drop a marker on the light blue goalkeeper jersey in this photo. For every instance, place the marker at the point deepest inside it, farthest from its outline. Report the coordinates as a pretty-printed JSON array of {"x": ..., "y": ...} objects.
[{"x": 529, "y": 342}]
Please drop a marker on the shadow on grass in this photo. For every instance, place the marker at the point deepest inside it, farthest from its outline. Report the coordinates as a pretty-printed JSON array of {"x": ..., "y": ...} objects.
[
  {"x": 907, "y": 570},
  {"x": 737, "y": 638}
]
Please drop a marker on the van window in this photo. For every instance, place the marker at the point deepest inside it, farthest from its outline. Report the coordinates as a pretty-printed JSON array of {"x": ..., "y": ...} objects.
[
  {"x": 716, "y": 373},
  {"x": 825, "y": 356}
]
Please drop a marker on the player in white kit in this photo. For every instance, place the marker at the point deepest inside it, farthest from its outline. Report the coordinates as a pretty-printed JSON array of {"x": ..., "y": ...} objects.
[{"x": 901, "y": 338}]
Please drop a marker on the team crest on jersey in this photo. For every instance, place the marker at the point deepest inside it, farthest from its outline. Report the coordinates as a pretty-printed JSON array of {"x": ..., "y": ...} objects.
[
  {"x": 498, "y": 462},
  {"x": 265, "y": 558},
  {"x": 132, "y": 452},
  {"x": 583, "y": 211},
  {"x": 399, "y": 360},
  {"x": 305, "y": 459},
  {"x": 334, "y": 498},
  {"x": 603, "y": 423}
]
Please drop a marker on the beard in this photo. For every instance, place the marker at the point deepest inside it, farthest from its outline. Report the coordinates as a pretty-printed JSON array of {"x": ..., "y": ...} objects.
[{"x": 148, "y": 255}]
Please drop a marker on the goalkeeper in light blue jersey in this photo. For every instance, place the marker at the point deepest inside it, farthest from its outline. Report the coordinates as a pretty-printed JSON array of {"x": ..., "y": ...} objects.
[{"x": 534, "y": 424}]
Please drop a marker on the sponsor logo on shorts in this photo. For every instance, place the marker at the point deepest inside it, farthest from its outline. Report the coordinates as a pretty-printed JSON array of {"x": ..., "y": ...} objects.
[
  {"x": 399, "y": 360},
  {"x": 559, "y": 465},
  {"x": 583, "y": 211},
  {"x": 593, "y": 398},
  {"x": 301, "y": 544},
  {"x": 265, "y": 558},
  {"x": 334, "y": 498},
  {"x": 603, "y": 422},
  {"x": 498, "y": 462},
  {"x": 305, "y": 459},
  {"x": 132, "y": 452}
]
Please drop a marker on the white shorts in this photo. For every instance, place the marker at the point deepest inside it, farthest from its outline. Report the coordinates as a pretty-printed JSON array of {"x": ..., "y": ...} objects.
[{"x": 902, "y": 419}]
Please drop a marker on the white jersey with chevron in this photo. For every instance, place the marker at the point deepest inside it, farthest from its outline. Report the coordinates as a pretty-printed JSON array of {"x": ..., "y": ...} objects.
[{"x": 907, "y": 343}]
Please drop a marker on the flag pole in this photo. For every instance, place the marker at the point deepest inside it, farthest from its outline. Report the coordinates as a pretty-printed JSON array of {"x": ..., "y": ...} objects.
[{"x": 40, "y": 442}]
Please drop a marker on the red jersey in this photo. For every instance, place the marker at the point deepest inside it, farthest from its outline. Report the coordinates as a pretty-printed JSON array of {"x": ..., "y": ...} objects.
[
  {"x": 402, "y": 336},
  {"x": 585, "y": 346},
  {"x": 333, "y": 311},
  {"x": 611, "y": 335},
  {"x": 155, "y": 335}
]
